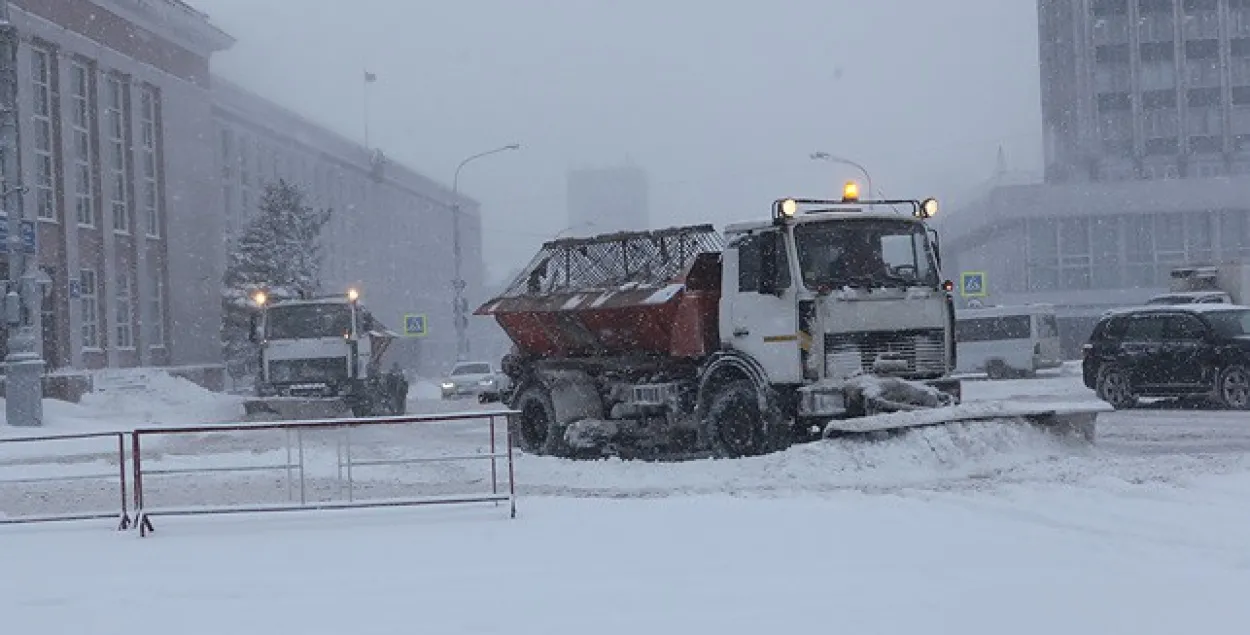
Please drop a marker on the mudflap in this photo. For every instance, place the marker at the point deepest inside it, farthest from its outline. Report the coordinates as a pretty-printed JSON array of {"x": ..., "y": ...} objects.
[
  {"x": 296, "y": 409},
  {"x": 1076, "y": 421}
]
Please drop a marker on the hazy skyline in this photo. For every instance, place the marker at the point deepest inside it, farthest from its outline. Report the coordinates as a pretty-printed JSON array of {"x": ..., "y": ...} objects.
[{"x": 720, "y": 103}]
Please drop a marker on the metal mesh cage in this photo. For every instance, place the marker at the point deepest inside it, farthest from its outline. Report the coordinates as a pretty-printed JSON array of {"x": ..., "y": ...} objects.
[{"x": 612, "y": 261}]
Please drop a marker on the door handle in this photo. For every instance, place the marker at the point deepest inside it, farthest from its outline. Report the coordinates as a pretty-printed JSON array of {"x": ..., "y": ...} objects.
[{"x": 741, "y": 331}]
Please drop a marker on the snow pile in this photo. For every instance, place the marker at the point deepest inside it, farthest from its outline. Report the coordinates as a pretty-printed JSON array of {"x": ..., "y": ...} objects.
[
  {"x": 924, "y": 457},
  {"x": 424, "y": 389},
  {"x": 138, "y": 397},
  {"x": 590, "y": 434}
]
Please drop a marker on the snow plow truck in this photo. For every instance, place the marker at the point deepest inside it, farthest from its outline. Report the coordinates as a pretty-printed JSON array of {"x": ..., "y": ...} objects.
[
  {"x": 830, "y": 318},
  {"x": 321, "y": 358}
]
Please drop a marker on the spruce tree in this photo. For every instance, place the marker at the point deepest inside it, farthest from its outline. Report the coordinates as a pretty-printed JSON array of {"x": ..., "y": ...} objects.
[{"x": 278, "y": 252}]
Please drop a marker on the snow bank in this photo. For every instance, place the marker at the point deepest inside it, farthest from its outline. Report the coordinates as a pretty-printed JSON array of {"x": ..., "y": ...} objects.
[
  {"x": 152, "y": 397},
  {"x": 919, "y": 458},
  {"x": 122, "y": 400}
]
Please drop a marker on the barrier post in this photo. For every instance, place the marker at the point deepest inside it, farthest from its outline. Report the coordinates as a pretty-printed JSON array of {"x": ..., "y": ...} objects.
[
  {"x": 494, "y": 480},
  {"x": 124, "y": 523},
  {"x": 136, "y": 460},
  {"x": 511, "y": 470}
]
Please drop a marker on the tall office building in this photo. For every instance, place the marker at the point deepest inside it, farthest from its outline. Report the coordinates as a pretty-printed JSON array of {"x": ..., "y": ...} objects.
[
  {"x": 602, "y": 200},
  {"x": 1146, "y": 121},
  {"x": 1145, "y": 89}
]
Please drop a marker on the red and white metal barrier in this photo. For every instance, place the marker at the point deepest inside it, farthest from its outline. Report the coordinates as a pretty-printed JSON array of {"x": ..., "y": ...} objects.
[
  {"x": 44, "y": 487},
  {"x": 297, "y": 445}
]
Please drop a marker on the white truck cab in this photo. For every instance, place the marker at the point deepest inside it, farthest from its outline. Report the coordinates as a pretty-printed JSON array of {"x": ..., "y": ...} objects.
[{"x": 845, "y": 288}]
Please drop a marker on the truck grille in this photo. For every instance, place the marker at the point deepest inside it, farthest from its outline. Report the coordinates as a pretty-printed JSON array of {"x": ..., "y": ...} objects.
[
  {"x": 292, "y": 371},
  {"x": 911, "y": 354}
]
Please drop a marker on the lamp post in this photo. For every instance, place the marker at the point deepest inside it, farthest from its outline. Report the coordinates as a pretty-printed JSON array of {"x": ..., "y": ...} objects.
[
  {"x": 23, "y": 377},
  {"x": 825, "y": 156},
  {"x": 460, "y": 306}
]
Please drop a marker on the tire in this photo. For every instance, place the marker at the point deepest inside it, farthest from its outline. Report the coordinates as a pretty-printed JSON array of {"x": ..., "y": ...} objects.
[
  {"x": 1233, "y": 387},
  {"x": 1115, "y": 387},
  {"x": 736, "y": 427},
  {"x": 535, "y": 429}
]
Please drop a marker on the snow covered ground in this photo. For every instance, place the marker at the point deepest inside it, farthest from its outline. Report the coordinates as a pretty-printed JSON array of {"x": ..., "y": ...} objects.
[
  {"x": 976, "y": 529},
  {"x": 1108, "y": 557}
]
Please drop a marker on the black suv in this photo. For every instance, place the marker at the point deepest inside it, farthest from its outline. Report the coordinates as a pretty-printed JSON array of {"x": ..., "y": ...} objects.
[{"x": 1193, "y": 350}]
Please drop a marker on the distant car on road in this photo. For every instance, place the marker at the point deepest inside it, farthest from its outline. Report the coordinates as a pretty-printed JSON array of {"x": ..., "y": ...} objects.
[
  {"x": 1188, "y": 350},
  {"x": 468, "y": 379}
]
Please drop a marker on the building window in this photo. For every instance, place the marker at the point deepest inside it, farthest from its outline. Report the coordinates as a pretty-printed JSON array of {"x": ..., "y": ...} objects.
[
  {"x": 89, "y": 306},
  {"x": 123, "y": 313},
  {"x": 150, "y": 158},
  {"x": 1105, "y": 247},
  {"x": 1199, "y": 237},
  {"x": 245, "y": 161},
  {"x": 1074, "y": 263},
  {"x": 82, "y": 104},
  {"x": 1235, "y": 234},
  {"x": 42, "y": 90},
  {"x": 1043, "y": 250},
  {"x": 1139, "y": 251},
  {"x": 115, "y": 130},
  {"x": 156, "y": 308},
  {"x": 1169, "y": 245}
]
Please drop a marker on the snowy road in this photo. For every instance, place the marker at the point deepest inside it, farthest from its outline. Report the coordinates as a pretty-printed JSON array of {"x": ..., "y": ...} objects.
[{"x": 1160, "y": 445}]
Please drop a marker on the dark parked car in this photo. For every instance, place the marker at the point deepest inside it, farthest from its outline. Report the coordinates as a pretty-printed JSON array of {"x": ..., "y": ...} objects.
[{"x": 1194, "y": 350}]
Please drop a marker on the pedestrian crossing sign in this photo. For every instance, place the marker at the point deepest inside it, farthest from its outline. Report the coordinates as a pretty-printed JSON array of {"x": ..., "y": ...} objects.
[
  {"x": 414, "y": 325},
  {"x": 972, "y": 284}
]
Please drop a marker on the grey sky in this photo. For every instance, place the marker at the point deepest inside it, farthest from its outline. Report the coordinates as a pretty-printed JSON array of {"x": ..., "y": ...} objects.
[{"x": 721, "y": 102}]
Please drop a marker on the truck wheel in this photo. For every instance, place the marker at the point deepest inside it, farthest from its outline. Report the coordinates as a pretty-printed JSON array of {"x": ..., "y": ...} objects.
[
  {"x": 536, "y": 429},
  {"x": 736, "y": 425}
]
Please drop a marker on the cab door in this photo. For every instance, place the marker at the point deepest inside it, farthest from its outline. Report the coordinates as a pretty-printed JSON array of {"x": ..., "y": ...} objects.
[{"x": 761, "y": 315}]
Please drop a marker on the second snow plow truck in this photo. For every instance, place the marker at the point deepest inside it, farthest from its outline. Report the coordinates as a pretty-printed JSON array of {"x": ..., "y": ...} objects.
[
  {"x": 831, "y": 318},
  {"x": 321, "y": 358}
]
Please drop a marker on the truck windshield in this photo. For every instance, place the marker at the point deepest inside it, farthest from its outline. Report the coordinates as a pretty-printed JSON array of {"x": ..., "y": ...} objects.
[
  {"x": 307, "y": 321},
  {"x": 865, "y": 253},
  {"x": 1235, "y": 323}
]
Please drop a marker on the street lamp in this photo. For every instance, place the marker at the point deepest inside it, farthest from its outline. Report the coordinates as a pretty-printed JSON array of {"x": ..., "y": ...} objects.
[
  {"x": 825, "y": 156},
  {"x": 24, "y": 365},
  {"x": 460, "y": 306}
]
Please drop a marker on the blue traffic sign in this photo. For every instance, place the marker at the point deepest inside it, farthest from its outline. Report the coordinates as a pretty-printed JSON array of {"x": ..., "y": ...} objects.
[
  {"x": 972, "y": 284},
  {"x": 415, "y": 325}
]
